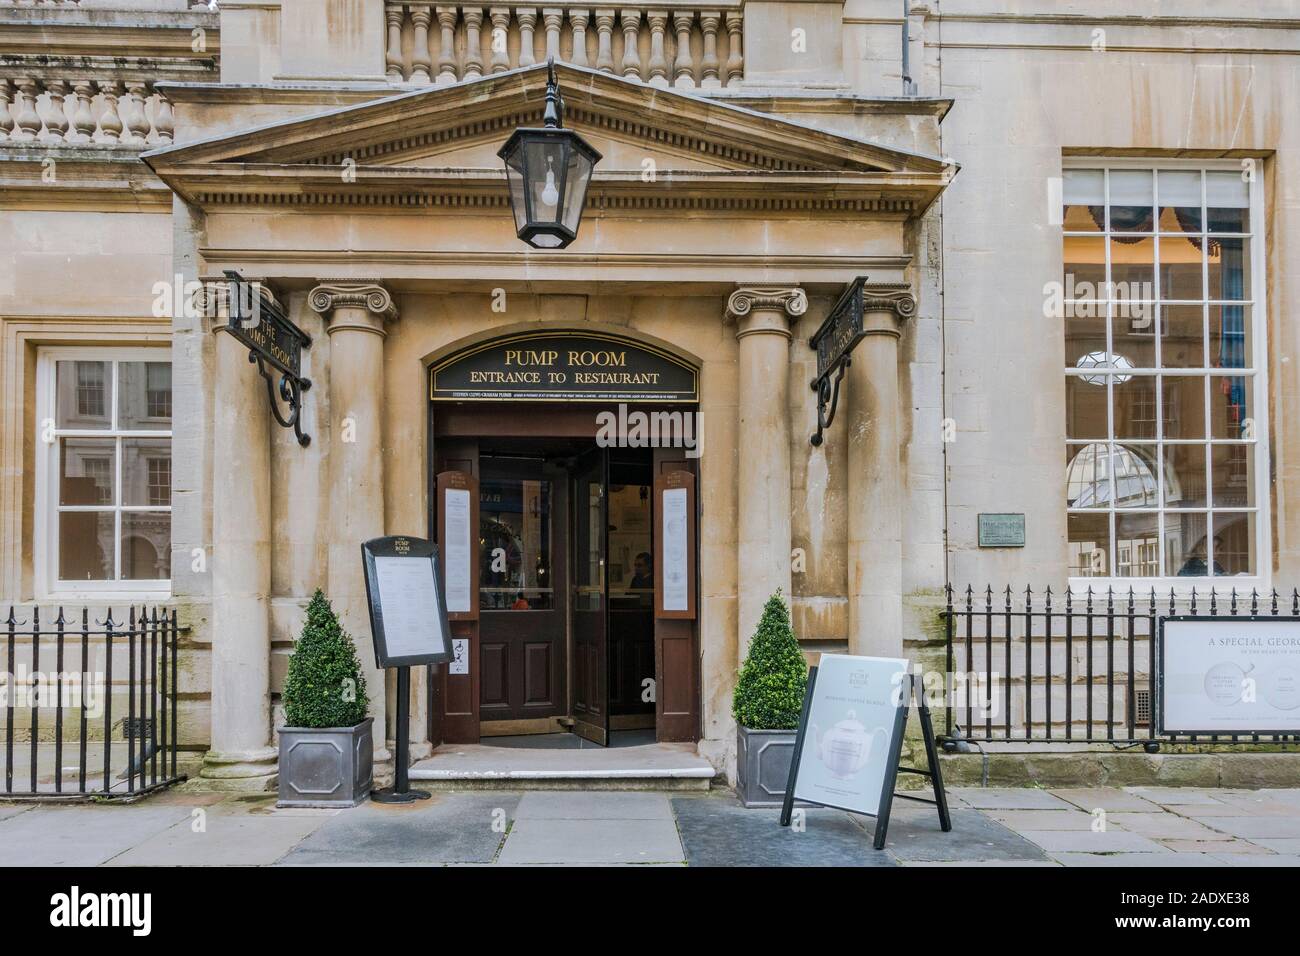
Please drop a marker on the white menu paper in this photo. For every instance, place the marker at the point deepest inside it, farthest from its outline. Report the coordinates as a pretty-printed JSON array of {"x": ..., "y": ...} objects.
[
  {"x": 457, "y": 551},
  {"x": 675, "y": 584},
  {"x": 409, "y": 601}
]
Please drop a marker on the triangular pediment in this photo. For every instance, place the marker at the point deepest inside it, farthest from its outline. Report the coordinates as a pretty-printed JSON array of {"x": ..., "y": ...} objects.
[{"x": 411, "y": 141}]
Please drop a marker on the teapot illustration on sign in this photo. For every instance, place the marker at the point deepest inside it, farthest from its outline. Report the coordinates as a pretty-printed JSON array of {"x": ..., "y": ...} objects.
[{"x": 846, "y": 747}]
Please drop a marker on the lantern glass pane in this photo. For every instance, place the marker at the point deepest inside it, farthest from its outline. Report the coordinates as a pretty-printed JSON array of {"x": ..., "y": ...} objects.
[
  {"x": 576, "y": 176},
  {"x": 545, "y": 165},
  {"x": 515, "y": 173}
]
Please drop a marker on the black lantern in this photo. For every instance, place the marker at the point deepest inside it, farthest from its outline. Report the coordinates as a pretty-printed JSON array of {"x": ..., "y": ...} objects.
[{"x": 549, "y": 170}]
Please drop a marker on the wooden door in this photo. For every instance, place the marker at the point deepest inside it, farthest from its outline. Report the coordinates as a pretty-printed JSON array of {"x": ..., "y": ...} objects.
[
  {"x": 590, "y": 590},
  {"x": 522, "y": 588},
  {"x": 677, "y": 652},
  {"x": 454, "y": 697}
]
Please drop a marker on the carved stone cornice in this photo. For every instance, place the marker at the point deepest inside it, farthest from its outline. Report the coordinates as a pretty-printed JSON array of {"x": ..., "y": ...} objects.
[
  {"x": 884, "y": 307},
  {"x": 766, "y": 309},
  {"x": 340, "y": 300}
]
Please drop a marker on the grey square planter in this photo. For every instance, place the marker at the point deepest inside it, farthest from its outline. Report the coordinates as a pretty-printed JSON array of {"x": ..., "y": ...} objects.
[
  {"x": 763, "y": 765},
  {"x": 325, "y": 767}
]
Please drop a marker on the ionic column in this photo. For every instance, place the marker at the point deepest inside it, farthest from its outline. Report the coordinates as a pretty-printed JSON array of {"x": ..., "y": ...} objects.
[
  {"x": 763, "y": 532},
  {"x": 875, "y": 501},
  {"x": 243, "y": 755},
  {"x": 355, "y": 311}
]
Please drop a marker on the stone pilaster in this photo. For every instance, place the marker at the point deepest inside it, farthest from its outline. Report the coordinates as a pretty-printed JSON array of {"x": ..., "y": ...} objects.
[
  {"x": 242, "y": 754},
  {"x": 355, "y": 312},
  {"x": 762, "y": 317},
  {"x": 875, "y": 499}
]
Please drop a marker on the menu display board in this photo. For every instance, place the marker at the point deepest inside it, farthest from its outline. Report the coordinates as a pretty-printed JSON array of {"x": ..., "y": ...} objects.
[
  {"x": 408, "y": 616},
  {"x": 1229, "y": 675},
  {"x": 674, "y": 554}
]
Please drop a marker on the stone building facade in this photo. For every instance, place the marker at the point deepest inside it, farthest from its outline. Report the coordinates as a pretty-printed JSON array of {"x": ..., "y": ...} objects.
[{"x": 975, "y": 160}]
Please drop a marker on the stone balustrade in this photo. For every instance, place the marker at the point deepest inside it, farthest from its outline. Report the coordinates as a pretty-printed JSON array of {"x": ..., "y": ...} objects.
[
  {"x": 41, "y": 110},
  {"x": 668, "y": 45}
]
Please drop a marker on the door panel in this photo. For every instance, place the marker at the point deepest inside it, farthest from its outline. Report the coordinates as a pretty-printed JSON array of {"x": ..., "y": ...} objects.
[{"x": 590, "y": 597}]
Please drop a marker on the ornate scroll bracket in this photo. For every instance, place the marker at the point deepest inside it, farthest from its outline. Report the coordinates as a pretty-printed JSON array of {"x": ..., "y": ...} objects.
[
  {"x": 843, "y": 329},
  {"x": 274, "y": 345}
]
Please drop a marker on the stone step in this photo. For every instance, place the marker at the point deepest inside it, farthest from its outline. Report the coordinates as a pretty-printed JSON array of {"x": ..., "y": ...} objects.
[{"x": 673, "y": 767}]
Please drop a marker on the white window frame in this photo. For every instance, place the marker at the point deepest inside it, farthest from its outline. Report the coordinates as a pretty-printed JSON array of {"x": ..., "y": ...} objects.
[
  {"x": 45, "y": 547},
  {"x": 1262, "y": 579}
]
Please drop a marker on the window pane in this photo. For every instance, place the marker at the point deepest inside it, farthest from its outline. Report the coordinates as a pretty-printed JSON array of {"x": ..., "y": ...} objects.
[
  {"x": 1085, "y": 267},
  {"x": 144, "y": 395},
  {"x": 86, "y": 546},
  {"x": 1087, "y": 476},
  {"x": 1085, "y": 406},
  {"x": 1185, "y": 476},
  {"x": 1084, "y": 196},
  {"x": 1136, "y": 484},
  {"x": 1133, "y": 332},
  {"x": 1227, "y": 196},
  {"x": 1085, "y": 331},
  {"x": 82, "y": 394},
  {"x": 1230, "y": 341},
  {"x": 1182, "y": 331},
  {"x": 146, "y": 545},
  {"x": 1131, "y": 200},
  {"x": 1185, "y": 544},
  {"x": 146, "y": 471},
  {"x": 1234, "y": 543},
  {"x": 515, "y": 559},
  {"x": 1233, "y": 475},
  {"x": 1181, "y": 268},
  {"x": 1089, "y": 545},
  {"x": 1229, "y": 269},
  {"x": 1133, "y": 267},
  {"x": 1180, "y": 200},
  {"x": 1230, "y": 409},
  {"x": 1135, "y": 406},
  {"x": 86, "y": 471},
  {"x": 1184, "y": 406},
  {"x": 1137, "y": 545}
]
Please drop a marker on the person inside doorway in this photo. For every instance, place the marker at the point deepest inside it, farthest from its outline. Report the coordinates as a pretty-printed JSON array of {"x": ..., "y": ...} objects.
[
  {"x": 1195, "y": 566},
  {"x": 642, "y": 572}
]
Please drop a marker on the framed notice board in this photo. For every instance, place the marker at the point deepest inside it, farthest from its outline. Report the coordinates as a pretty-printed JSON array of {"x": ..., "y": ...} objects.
[
  {"x": 675, "y": 530},
  {"x": 408, "y": 617},
  {"x": 458, "y": 503}
]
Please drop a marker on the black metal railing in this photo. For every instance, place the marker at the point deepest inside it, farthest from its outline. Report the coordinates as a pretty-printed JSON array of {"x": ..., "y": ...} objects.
[
  {"x": 1073, "y": 667},
  {"x": 89, "y": 705}
]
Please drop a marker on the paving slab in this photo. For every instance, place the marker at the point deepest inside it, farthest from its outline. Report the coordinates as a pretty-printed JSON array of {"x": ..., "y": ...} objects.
[
  {"x": 1139, "y": 859},
  {"x": 1271, "y": 827},
  {"x": 1262, "y": 803},
  {"x": 1010, "y": 798},
  {"x": 81, "y": 835},
  {"x": 1164, "y": 826},
  {"x": 1110, "y": 799},
  {"x": 914, "y": 835},
  {"x": 8, "y": 810},
  {"x": 1269, "y": 859},
  {"x": 591, "y": 841},
  {"x": 1217, "y": 847},
  {"x": 1021, "y": 820},
  {"x": 1288, "y": 846},
  {"x": 593, "y": 805},
  {"x": 1176, "y": 796},
  {"x": 1109, "y": 841},
  {"x": 226, "y": 840},
  {"x": 983, "y": 863},
  {"x": 718, "y": 831},
  {"x": 449, "y": 828}
]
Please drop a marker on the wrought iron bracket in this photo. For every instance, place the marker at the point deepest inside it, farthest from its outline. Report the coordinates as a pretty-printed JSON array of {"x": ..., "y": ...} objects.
[
  {"x": 828, "y": 397},
  {"x": 291, "y": 388}
]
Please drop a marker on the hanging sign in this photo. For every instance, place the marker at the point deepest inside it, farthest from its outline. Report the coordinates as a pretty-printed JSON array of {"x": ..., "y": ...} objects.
[
  {"x": 274, "y": 343},
  {"x": 850, "y": 739},
  {"x": 408, "y": 617},
  {"x": 1229, "y": 675},
  {"x": 834, "y": 340},
  {"x": 571, "y": 366}
]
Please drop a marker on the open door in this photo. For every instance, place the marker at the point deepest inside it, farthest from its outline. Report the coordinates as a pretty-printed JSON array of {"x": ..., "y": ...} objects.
[{"x": 591, "y": 597}]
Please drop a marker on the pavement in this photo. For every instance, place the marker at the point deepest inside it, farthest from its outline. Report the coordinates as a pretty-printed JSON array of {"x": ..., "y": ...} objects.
[{"x": 1134, "y": 826}]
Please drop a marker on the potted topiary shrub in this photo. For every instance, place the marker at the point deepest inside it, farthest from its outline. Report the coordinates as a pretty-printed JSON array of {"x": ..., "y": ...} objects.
[
  {"x": 766, "y": 706},
  {"x": 326, "y": 747}
]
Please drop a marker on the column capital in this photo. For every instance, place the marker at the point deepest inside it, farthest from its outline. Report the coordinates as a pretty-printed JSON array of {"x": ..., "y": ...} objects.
[
  {"x": 758, "y": 309},
  {"x": 890, "y": 302},
  {"x": 330, "y": 297}
]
